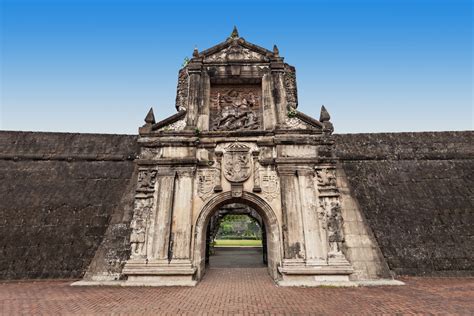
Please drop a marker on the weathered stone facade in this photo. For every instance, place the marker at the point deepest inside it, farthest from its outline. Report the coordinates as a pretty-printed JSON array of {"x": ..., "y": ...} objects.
[
  {"x": 79, "y": 175},
  {"x": 336, "y": 208},
  {"x": 241, "y": 140}
]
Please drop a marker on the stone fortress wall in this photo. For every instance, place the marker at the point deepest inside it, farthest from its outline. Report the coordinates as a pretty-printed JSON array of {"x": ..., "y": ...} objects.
[
  {"x": 416, "y": 191},
  {"x": 58, "y": 193},
  {"x": 66, "y": 200}
]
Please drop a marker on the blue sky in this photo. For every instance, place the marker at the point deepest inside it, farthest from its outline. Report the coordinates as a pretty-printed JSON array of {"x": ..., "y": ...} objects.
[{"x": 98, "y": 66}]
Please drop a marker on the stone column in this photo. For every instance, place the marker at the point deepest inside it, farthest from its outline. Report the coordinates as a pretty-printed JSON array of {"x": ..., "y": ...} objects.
[
  {"x": 293, "y": 236},
  {"x": 181, "y": 225}
]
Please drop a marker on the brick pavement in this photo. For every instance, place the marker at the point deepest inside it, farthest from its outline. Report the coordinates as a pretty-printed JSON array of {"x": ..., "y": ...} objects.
[{"x": 239, "y": 291}]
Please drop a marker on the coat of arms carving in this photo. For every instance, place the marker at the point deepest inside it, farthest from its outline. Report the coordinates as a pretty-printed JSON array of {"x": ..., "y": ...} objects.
[
  {"x": 269, "y": 184},
  {"x": 206, "y": 181},
  {"x": 237, "y": 163}
]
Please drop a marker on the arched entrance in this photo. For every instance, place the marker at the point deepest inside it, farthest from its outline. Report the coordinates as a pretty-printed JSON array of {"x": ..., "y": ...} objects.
[
  {"x": 270, "y": 223},
  {"x": 236, "y": 238}
]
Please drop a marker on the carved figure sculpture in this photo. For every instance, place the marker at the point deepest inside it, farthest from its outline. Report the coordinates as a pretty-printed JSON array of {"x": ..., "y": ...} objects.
[
  {"x": 146, "y": 179},
  {"x": 334, "y": 228},
  {"x": 326, "y": 177},
  {"x": 137, "y": 238},
  {"x": 235, "y": 110}
]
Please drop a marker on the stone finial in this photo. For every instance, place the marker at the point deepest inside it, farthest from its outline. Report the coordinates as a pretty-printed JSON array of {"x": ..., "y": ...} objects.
[
  {"x": 324, "y": 116},
  {"x": 195, "y": 52},
  {"x": 276, "y": 51},
  {"x": 150, "y": 117},
  {"x": 235, "y": 33}
]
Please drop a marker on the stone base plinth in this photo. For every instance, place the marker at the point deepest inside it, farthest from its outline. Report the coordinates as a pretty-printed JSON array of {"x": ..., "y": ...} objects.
[
  {"x": 315, "y": 274},
  {"x": 159, "y": 273}
]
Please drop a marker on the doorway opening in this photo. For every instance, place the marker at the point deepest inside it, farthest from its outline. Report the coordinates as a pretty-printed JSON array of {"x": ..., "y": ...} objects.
[
  {"x": 236, "y": 238},
  {"x": 271, "y": 234}
]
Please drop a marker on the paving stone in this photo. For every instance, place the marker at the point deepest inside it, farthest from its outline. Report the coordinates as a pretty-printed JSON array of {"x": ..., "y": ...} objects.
[{"x": 239, "y": 291}]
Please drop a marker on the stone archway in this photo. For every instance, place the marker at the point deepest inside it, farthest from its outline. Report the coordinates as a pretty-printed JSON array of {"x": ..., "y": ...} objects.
[
  {"x": 272, "y": 227},
  {"x": 234, "y": 209}
]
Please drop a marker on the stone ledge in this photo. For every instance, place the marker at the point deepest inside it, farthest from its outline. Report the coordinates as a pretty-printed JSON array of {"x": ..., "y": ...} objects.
[
  {"x": 317, "y": 270},
  {"x": 379, "y": 282},
  {"x": 156, "y": 269},
  {"x": 315, "y": 283},
  {"x": 98, "y": 283}
]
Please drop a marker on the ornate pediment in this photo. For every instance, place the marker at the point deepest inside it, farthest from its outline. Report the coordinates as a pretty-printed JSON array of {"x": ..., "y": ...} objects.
[
  {"x": 236, "y": 49},
  {"x": 237, "y": 86}
]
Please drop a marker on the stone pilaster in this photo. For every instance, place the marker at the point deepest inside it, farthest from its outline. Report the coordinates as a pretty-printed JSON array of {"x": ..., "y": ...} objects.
[
  {"x": 279, "y": 90},
  {"x": 158, "y": 244},
  {"x": 293, "y": 245},
  {"x": 313, "y": 244},
  {"x": 256, "y": 172},
  {"x": 181, "y": 226},
  {"x": 157, "y": 267},
  {"x": 269, "y": 110},
  {"x": 218, "y": 186},
  {"x": 204, "y": 104},
  {"x": 194, "y": 97}
]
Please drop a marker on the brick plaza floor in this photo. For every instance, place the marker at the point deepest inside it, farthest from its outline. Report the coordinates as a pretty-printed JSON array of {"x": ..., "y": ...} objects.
[{"x": 239, "y": 291}]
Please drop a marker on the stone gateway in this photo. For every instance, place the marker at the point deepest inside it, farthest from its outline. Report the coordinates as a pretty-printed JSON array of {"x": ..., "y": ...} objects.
[{"x": 238, "y": 139}]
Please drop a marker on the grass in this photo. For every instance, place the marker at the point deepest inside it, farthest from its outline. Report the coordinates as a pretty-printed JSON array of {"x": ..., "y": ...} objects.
[{"x": 238, "y": 243}]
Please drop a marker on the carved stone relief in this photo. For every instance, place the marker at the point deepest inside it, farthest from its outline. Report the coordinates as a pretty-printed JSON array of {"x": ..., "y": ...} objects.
[
  {"x": 237, "y": 163},
  {"x": 235, "y": 107},
  {"x": 295, "y": 123},
  {"x": 146, "y": 180},
  {"x": 176, "y": 126},
  {"x": 141, "y": 214},
  {"x": 235, "y": 52},
  {"x": 329, "y": 211},
  {"x": 142, "y": 209},
  {"x": 182, "y": 90},
  {"x": 326, "y": 177},
  {"x": 330, "y": 216},
  {"x": 290, "y": 87},
  {"x": 334, "y": 228},
  {"x": 269, "y": 184},
  {"x": 150, "y": 153},
  {"x": 256, "y": 169},
  {"x": 206, "y": 182}
]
